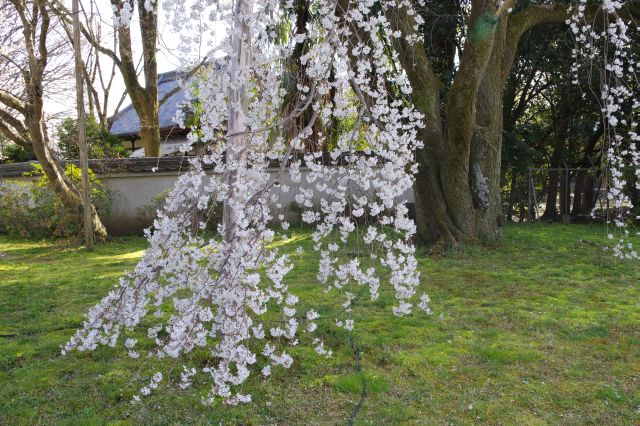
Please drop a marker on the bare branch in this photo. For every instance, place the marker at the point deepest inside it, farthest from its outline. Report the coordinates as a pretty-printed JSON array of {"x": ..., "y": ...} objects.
[
  {"x": 187, "y": 76},
  {"x": 12, "y": 101}
]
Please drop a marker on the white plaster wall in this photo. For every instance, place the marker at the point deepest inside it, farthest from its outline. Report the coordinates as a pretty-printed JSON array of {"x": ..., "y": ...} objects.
[{"x": 132, "y": 191}]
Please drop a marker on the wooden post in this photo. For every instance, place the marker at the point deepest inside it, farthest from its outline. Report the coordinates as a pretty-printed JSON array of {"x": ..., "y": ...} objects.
[
  {"x": 82, "y": 141},
  {"x": 236, "y": 151}
]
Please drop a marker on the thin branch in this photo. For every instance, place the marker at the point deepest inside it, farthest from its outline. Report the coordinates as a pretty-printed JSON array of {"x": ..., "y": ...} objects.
[{"x": 187, "y": 76}]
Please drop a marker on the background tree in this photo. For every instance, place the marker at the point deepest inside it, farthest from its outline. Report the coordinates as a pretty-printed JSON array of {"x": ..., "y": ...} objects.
[
  {"x": 458, "y": 76},
  {"x": 143, "y": 90},
  {"x": 550, "y": 122},
  {"x": 141, "y": 84},
  {"x": 33, "y": 66},
  {"x": 98, "y": 77},
  {"x": 100, "y": 142}
]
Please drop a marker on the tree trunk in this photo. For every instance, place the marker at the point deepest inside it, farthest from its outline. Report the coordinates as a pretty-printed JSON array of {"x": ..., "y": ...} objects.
[
  {"x": 148, "y": 111},
  {"x": 551, "y": 209},
  {"x": 565, "y": 191},
  {"x": 82, "y": 141},
  {"x": 236, "y": 150},
  {"x": 33, "y": 112},
  {"x": 150, "y": 131},
  {"x": 486, "y": 145},
  {"x": 433, "y": 219},
  {"x": 590, "y": 193},
  {"x": 512, "y": 194},
  {"x": 458, "y": 196},
  {"x": 580, "y": 198},
  {"x": 457, "y": 189}
]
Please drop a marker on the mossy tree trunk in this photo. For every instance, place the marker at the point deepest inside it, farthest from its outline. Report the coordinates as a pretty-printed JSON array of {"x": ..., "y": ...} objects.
[{"x": 457, "y": 189}]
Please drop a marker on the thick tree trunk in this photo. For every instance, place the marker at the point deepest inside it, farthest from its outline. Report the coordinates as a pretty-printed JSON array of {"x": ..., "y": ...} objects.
[
  {"x": 458, "y": 187},
  {"x": 434, "y": 219},
  {"x": 461, "y": 200},
  {"x": 150, "y": 131},
  {"x": 486, "y": 146}
]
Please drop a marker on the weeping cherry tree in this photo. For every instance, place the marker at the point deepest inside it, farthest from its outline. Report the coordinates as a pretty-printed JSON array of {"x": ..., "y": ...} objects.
[{"x": 227, "y": 292}]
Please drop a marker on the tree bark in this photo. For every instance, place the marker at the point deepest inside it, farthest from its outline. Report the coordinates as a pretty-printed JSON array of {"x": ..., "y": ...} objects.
[
  {"x": 457, "y": 189},
  {"x": 236, "y": 150},
  {"x": 486, "y": 144},
  {"x": 551, "y": 208},
  {"x": 580, "y": 198}
]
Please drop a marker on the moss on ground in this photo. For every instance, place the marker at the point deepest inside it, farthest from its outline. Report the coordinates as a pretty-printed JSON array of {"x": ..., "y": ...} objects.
[{"x": 540, "y": 329}]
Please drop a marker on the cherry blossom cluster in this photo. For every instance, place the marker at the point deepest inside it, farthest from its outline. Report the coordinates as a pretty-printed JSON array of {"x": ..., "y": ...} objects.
[
  {"x": 225, "y": 291},
  {"x": 604, "y": 46}
]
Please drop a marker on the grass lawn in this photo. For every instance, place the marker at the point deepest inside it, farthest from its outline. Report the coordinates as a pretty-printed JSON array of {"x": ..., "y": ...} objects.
[{"x": 542, "y": 329}]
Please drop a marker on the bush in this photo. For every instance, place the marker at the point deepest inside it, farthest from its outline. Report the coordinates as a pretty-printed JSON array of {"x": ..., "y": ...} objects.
[
  {"x": 16, "y": 210},
  {"x": 101, "y": 144},
  {"x": 12, "y": 153},
  {"x": 149, "y": 211},
  {"x": 33, "y": 210}
]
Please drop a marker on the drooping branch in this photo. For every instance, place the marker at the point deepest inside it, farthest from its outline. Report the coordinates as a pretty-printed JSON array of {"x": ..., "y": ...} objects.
[{"x": 557, "y": 13}]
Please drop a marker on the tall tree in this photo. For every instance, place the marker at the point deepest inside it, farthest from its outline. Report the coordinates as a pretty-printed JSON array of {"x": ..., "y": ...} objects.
[
  {"x": 144, "y": 96},
  {"x": 458, "y": 186},
  {"x": 30, "y": 66},
  {"x": 98, "y": 77},
  {"x": 460, "y": 93}
]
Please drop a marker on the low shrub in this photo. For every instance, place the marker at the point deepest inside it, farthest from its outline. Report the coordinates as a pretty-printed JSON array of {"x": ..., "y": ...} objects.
[{"x": 33, "y": 210}]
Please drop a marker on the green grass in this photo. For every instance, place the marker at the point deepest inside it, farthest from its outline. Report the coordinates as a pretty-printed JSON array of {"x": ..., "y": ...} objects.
[{"x": 542, "y": 329}]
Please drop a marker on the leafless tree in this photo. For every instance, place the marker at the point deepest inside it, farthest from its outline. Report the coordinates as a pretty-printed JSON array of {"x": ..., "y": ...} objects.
[
  {"x": 35, "y": 66},
  {"x": 99, "y": 72},
  {"x": 144, "y": 96}
]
